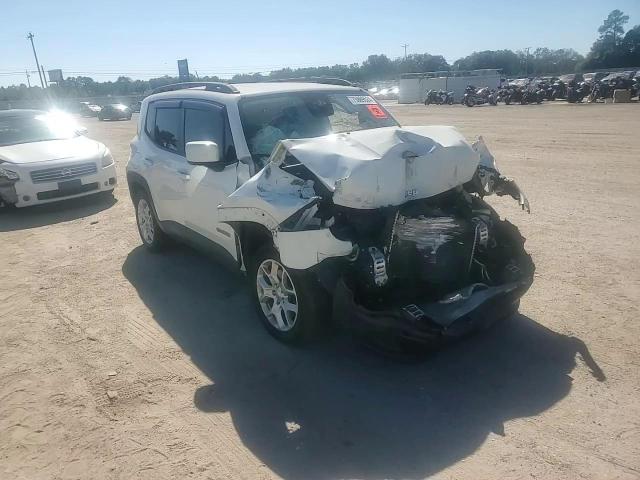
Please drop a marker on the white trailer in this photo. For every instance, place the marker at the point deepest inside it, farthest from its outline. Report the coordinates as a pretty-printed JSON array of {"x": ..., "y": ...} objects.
[{"x": 414, "y": 86}]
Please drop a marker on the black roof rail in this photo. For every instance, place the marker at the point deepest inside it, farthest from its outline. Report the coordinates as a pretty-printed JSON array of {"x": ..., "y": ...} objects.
[
  {"x": 325, "y": 80},
  {"x": 208, "y": 86}
]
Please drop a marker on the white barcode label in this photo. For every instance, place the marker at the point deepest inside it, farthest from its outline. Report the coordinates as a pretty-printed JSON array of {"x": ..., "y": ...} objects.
[{"x": 362, "y": 100}]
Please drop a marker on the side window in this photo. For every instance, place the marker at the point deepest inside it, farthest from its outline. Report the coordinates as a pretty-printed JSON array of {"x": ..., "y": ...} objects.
[
  {"x": 167, "y": 132},
  {"x": 150, "y": 120},
  {"x": 204, "y": 125},
  {"x": 210, "y": 123}
]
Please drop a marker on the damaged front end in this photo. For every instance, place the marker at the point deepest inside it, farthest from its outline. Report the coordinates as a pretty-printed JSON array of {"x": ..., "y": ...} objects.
[
  {"x": 394, "y": 225},
  {"x": 8, "y": 180},
  {"x": 433, "y": 268}
]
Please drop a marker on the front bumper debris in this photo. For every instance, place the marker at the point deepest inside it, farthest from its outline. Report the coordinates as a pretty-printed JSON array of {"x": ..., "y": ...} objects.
[{"x": 472, "y": 308}]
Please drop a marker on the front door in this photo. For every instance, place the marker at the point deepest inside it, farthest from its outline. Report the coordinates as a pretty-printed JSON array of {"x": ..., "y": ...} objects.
[{"x": 207, "y": 187}]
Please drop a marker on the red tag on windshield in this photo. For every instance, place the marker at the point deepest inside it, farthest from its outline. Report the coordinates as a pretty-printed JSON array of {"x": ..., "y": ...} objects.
[{"x": 376, "y": 111}]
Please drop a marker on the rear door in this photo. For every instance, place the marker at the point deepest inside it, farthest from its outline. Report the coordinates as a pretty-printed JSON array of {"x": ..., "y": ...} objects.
[
  {"x": 166, "y": 159},
  {"x": 208, "y": 187}
]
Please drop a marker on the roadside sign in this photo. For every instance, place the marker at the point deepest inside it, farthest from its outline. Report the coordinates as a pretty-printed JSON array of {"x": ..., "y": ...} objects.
[{"x": 183, "y": 69}]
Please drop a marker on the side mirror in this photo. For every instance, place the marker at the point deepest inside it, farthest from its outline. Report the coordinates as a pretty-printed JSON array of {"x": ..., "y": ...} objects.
[{"x": 202, "y": 153}]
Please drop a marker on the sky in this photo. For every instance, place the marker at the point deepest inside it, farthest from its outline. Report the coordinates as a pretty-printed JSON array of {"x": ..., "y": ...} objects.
[{"x": 144, "y": 38}]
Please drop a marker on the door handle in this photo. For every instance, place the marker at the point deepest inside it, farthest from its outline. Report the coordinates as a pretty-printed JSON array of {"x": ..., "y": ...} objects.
[
  {"x": 184, "y": 175},
  {"x": 149, "y": 161}
]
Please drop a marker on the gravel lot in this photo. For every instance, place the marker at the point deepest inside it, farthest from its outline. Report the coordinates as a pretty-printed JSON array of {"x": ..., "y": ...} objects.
[{"x": 116, "y": 363}]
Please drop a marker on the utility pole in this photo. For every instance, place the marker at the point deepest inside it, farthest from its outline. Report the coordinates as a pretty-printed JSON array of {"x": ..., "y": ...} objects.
[
  {"x": 35, "y": 55},
  {"x": 26, "y": 72},
  {"x": 526, "y": 62},
  {"x": 405, "y": 45},
  {"x": 46, "y": 84}
]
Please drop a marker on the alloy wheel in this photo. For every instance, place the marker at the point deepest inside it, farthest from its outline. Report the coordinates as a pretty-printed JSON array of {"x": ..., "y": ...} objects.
[
  {"x": 277, "y": 295},
  {"x": 145, "y": 221}
]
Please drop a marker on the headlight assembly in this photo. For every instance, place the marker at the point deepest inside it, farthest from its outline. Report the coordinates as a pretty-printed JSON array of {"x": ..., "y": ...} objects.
[{"x": 107, "y": 159}]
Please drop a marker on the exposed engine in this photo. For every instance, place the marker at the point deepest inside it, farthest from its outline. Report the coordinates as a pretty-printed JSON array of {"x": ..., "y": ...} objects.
[{"x": 429, "y": 248}]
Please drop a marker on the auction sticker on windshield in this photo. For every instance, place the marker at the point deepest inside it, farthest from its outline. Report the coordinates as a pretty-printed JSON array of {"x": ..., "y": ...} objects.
[
  {"x": 362, "y": 100},
  {"x": 376, "y": 111}
]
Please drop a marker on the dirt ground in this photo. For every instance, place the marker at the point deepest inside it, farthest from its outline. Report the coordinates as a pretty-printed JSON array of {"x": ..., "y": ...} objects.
[{"x": 201, "y": 391}]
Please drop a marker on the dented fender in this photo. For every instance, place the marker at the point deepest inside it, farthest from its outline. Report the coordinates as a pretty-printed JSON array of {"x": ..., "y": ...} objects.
[
  {"x": 269, "y": 197},
  {"x": 307, "y": 248},
  {"x": 491, "y": 181}
]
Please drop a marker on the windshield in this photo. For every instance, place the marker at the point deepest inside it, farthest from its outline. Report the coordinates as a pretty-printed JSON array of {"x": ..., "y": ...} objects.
[
  {"x": 37, "y": 128},
  {"x": 270, "y": 118}
]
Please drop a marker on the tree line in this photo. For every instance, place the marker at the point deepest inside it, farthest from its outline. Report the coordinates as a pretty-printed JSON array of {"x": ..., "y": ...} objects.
[{"x": 612, "y": 49}]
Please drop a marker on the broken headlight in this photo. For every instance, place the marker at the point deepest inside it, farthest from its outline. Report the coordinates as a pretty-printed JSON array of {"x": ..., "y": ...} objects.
[{"x": 9, "y": 174}]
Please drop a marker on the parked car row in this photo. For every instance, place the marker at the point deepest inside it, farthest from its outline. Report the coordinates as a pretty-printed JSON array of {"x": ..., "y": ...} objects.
[
  {"x": 112, "y": 111},
  {"x": 384, "y": 92}
]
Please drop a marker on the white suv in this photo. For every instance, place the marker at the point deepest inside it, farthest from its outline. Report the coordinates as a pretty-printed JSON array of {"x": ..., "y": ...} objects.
[{"x": 330, "y": 207}]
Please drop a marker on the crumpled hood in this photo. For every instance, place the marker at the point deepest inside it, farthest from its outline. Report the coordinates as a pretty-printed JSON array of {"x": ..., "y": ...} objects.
[
  {"x": 387, "y": 166},
  {"x": 364, "y": 170},
  {"x": 77, "y": 147}
]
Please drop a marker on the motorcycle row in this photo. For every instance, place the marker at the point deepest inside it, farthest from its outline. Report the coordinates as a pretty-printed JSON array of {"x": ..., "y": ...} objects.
[
  {"x": 574, "y": 88},
  {"x": 472, "y": 96}
]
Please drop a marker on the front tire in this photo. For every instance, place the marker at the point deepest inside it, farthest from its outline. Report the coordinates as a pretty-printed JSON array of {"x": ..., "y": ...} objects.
[
  {"x": 289, "y": 302},
  {"x": 150, "y": 233}
]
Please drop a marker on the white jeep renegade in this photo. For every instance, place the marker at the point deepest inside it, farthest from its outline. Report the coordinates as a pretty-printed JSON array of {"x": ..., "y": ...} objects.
[{"x": 330, "y": 207}]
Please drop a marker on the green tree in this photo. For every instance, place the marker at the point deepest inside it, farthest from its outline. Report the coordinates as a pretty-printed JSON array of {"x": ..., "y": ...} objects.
[
  {"x": 631, "y": 45},
  {"x": 506, "y": 60},
  {"x": 378, "y": 66},
  {"x": 611, "y": 49},
  {"x": 613, "y": 26},
  {"x": 553, "y": 62},
  {"x": 421, "y": 62}
]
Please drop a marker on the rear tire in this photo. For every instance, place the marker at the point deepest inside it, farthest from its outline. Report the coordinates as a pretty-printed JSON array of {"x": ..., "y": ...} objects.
[
  {"x": 290, "y": 303},
  {"x": 149, "y": 229}
]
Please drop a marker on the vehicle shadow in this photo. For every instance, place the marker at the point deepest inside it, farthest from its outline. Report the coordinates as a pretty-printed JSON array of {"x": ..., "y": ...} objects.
[
  {"x": 12, "y": 219},
  {"x": 335, "y": 410}
]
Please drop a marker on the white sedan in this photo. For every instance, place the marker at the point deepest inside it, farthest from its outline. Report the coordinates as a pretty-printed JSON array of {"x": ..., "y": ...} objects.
[{"x": 44, "y": 157}]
